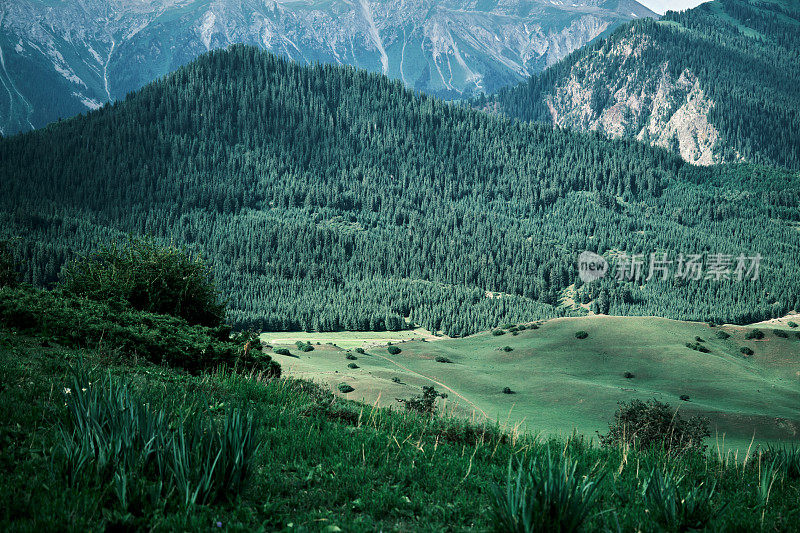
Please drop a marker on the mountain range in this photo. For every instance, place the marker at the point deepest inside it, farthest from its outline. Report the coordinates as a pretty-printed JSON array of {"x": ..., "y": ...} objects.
[
  {"x": 717, "y": 83},
  {"x": 61, "y": 58}
]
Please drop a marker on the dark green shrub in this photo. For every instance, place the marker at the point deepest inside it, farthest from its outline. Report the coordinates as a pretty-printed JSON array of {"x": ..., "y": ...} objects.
[
  {"x": 754, "y": 334},
  {"x": 676, "y": 508},
  {"x": 780, "y": 333},
  {"x": 581, "y": 334},
  {"x": 149, "y": 277},
  {"x": 425, "y": 404},
  {"x": 396, "y": 380},
  {"x": 344, "y": 388},
  {"x": 629, "y": 375},
  {"x": 653, "y": 424},
  {"x": 507, "y": 390},
  {"x": 352, "y": 366},
  {"x": 393, "y": 350},
  {"x": 699, "y": 339},
  {"x": 746, "y": 351},
  {"x": 306, "y": 348},
  {"x": 697, "y": 347},
  {"x": 350, "y": 356},
  {"x": 282, "y": 351},
  {"x": 442, "y": 359},
  {"x": 522, "y": 327},
  {"x": 685, "y": 397},
  {"x": 498, "y": 332},
  {"x": 722, "y": 334},
  {"x": 791, "y": 324},
  {"x": 545, "y": 495},
  {"x": 359, "y": 350},
  {"x": 507, "y": 348}
]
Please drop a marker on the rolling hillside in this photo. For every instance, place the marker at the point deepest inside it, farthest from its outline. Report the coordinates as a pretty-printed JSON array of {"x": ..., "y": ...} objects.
[
  {"x": 561, "y": 383},
  {"x": 717, "y": 83},
  {"x": 62, "y": 58},
  {"x": 412, "y": 210}
]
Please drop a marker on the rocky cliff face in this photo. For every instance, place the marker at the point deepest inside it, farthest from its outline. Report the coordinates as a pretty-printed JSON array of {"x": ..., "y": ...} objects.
[
  {"x": 655, "y": 106},
  {"x": 61, "y": 58}
]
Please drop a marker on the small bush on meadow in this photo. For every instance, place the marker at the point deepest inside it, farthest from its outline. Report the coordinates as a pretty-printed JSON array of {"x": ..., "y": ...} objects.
[
  {"x": 442, "y": 359},
  {"x": 393, "y": 350},
  {"x": 628, "y": 375},
  {"x": 654, "y": 424},
  {"x": 722, "y": 334},
  {"x": 684, "y": 397},
  {"x": 507, "y": 348},
  {"x": 425, "y": 404},
  {"x": 746, "y": 351},
  {"x": 699, "y": 339},
  {"x": 754, "y": 334},
  {"x": 344, "y": 388},
  {"x": 581, "y": 334},
  {"x": 507, "y": 390},
  {"x": 780, "y": 333},
  {"x": 352, "y": 366},
  {"x": 282, "y": 351},
  {"x": 697, "y": 347},
  {"x": 350, "y": 357},
  {"x": 359, "y": 350},
  {"x": 791, "y": 324},
  {"x": 498, "y": 332}
]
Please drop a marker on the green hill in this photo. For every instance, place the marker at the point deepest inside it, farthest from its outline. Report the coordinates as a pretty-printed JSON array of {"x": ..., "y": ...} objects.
[
  {"x": 328, "y": 198},
  {"x": 720, "y": 82}
]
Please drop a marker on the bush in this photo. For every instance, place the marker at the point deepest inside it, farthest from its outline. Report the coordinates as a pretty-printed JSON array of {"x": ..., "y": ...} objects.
[
  {"x": 442, "y": 359},
  {"x": 350, "y": 357},
  {"x": 676, "y": 508},
  {"x": 425, "y": 404},
  {"x": 581, "y": 334},
  {"x": 722, "y": 334},
  {"x": 360, "y": 350},
  {"x": 282, "y": 351},
  {"x": 393, "y": 350},
  {"x": 699, "y": 339},
  {"x": 161, "y": 339},
  {"x": 685, "y": 397},
  {"x": 746, "y": 351},
  {"x": 352, "y": 366},
  {"x": 149, "y": 277},
  {"x": 754, "y": 334},
  {"x": 396, "y": 380},
  {"x": 697, "y": 347},
  {"x": 791, "y": 324},
  {"x": 306, "y": 347},
  {"x": 780, "y": 333},
  {"x": 522, "y": 327},
  {"x": 653, "y": 424},
  {"x": 498, "y": 332},
  {"x": 344, "y": 388},
  {"x": 507, "y": 390},
  {"x": 629, "y": 375},
  {"x": 545, "y": 496},
  {"x": 507, "y": 348}
]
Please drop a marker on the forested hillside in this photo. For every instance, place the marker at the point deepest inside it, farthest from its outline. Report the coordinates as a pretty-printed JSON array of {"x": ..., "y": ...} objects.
[
  {"x": 720, "y": 82},
  {"x": 327, "y": 197}
]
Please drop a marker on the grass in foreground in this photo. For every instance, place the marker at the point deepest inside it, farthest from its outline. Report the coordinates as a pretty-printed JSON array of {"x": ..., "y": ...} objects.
[{"x": 322, "y": 463}]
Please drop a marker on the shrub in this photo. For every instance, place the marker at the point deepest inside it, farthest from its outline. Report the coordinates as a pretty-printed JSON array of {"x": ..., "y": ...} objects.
[
  {"x": 507, "y": 325},
  {"x": 507, "y": 390},
  {"x": 507, "y": 348},
  {"x": 746, "y": 351},
  {"x": 498, "y": 332},
  {"x": 697, "y": 347},
  {"x": 306, "y": 348},
  {"x": 754, "y": 334},
  {"x": 442, "y": 359},
  {"x": 344, "y": 388},
  {"x": 629, "y": 375},
  {"x": 699, "y": 339},
  {"x": 393, "y": 350},
  {"x": 425, "y": 404},
  {"x": 522, "y": 327},
  {"x": 653, "y": 424},
  {"x": 161, "y": 339},
  {"x": 350, "y": 357},
  {"x": 685, "y": 397},
  {"x": 352, "y": 365},
  {"x": 282, "y": 351},
  {"x": 780, "y": 333},
  {"x": 396, "y": 380},
  {"x": 722, "y": 334},
  {"x": 676, "y": 508},
  {"x": 360, "y": 350},
  {"x": 545, "y": 496},
  {"x": 149, "y": 277},
  {"x": 791, "y": 324},
  {"x": 581, "y": 334}
]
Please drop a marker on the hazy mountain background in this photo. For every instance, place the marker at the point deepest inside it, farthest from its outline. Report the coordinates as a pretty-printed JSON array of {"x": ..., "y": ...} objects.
[
  {"x": 717, "y": 83},
  {"x": 63, "y": 57}
]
